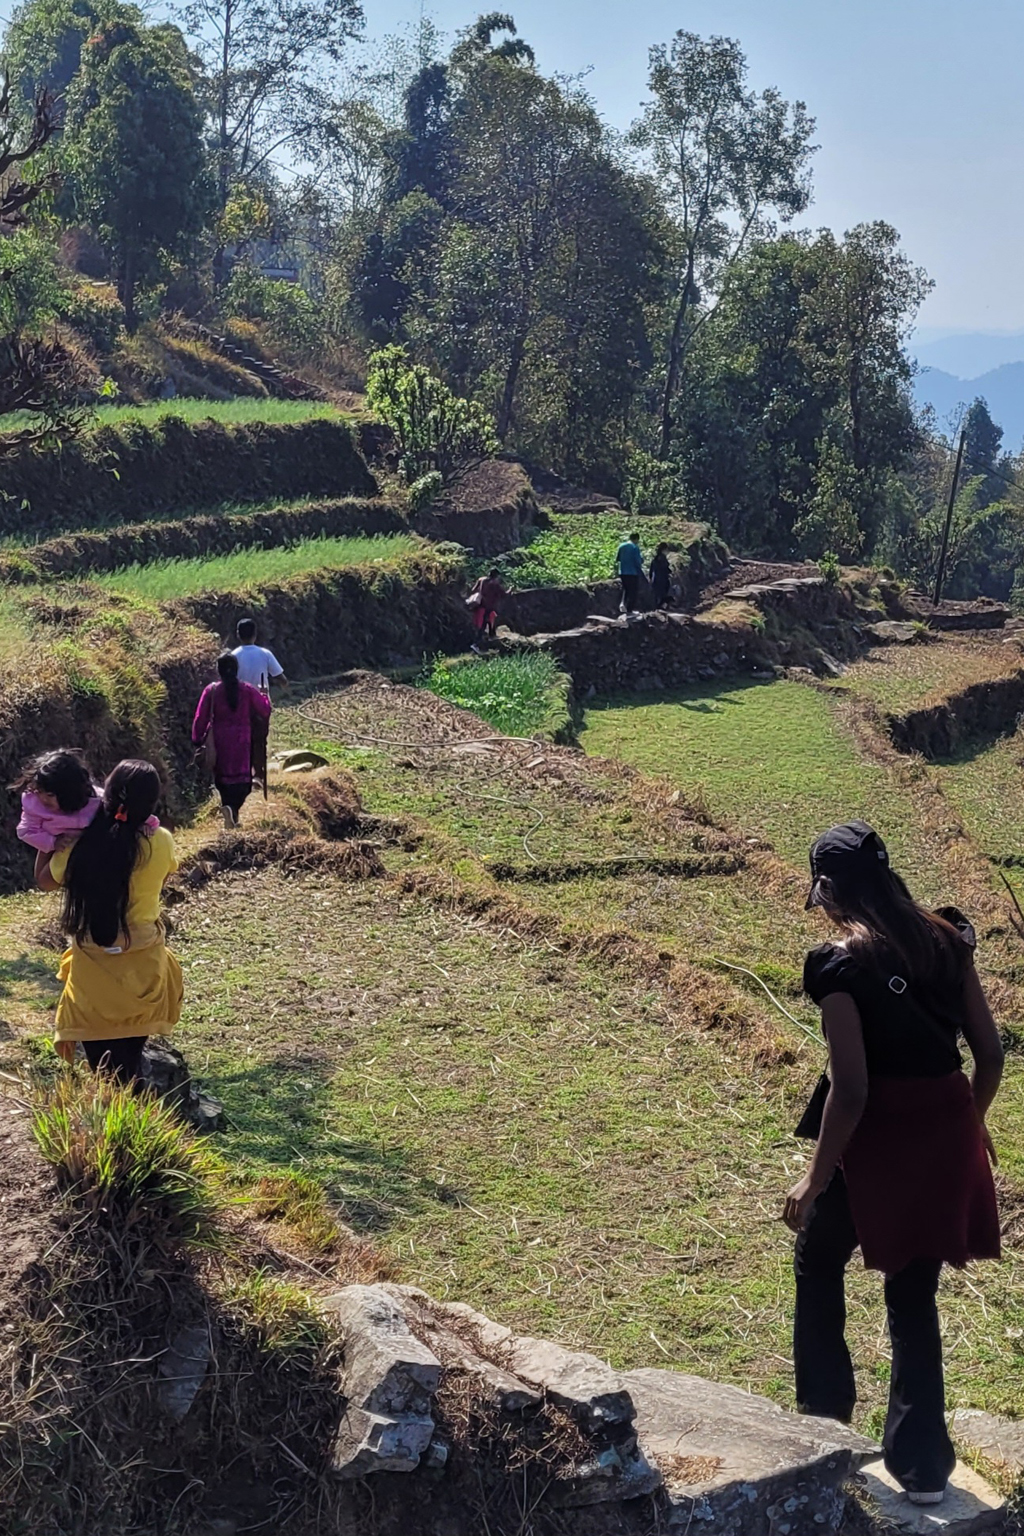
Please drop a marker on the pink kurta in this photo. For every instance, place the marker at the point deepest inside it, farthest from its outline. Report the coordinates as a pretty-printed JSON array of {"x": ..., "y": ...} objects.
[{"x": 232, "y": 729}]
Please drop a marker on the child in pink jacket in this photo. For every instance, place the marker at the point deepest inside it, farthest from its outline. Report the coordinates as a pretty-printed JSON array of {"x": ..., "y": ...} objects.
[{"x": 58, "y": 800}]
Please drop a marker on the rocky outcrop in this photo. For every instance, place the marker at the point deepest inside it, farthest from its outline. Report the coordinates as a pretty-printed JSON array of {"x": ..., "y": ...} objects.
[
  {"x": 651, "y": 1449},
  {"x": 738, "y": 1465},
  {"x": 655, "y": 651}
]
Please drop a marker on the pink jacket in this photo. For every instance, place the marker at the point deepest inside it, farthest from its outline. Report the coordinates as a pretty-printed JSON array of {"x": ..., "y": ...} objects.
[{"x": 40, "y": 828}]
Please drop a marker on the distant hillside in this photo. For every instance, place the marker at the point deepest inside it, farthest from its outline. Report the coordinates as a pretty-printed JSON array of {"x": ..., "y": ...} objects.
[
  {"x": 1002, "y": 389},
  {"x": 966, "y": 354}
]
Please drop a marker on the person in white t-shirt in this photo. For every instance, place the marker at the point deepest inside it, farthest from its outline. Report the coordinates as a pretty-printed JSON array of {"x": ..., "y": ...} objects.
[{"x": 256, "y": 665}]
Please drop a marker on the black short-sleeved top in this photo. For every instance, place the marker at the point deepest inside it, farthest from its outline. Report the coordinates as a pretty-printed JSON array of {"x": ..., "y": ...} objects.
[{"x": 904, "y": 1035}]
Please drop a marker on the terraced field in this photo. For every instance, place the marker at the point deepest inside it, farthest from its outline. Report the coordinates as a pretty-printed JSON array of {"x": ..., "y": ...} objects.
[{"x": 159, "y": 580}]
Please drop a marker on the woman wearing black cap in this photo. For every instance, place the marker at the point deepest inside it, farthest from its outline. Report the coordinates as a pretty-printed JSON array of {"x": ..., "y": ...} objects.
[{"x": 900, "y": 1165}]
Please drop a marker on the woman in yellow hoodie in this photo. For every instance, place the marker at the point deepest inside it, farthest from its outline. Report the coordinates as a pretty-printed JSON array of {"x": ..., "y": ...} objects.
[{"x": 121, "y": 982}]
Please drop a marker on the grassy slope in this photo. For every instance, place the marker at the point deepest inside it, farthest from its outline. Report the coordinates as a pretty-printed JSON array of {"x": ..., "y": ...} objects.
[
  {"x": 162, "y": 580},
  {"x": 522, "y": 1127},
  {"x": 239, "y": 410},
  {"x": 901, "y": 678}
]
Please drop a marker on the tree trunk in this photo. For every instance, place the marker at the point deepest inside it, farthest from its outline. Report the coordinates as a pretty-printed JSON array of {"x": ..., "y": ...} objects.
[
  {"x": 675, "y": 348},
  {"x": 223, "y": 153},
  {"x": 128, "y": 287},
  {"x": 508, "y": 394}
]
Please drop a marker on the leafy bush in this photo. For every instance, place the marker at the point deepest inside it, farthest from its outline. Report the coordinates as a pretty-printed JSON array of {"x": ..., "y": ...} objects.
[
  {"x": 830, "y": 568},
  {"x": 33, "y": 290},
  {"x": 512, "y": 693},
  {"x": 96, "y": 312},
  {"x": 286, "y": 308},
  {"x": 434, "y": 429},
  {"x": 424, "y": 491},
  {"x": 126, "y": 1159},
  {"x": 650, "y": 485}
]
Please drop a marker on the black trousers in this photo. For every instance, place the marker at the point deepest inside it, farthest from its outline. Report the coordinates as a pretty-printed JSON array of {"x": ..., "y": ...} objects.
[
  {"x": 234, "y": 795},
  {"x": 117, "y": 1058},
  {"x": 630, "y": 588},
  {"x": 918, "y": 1450}
]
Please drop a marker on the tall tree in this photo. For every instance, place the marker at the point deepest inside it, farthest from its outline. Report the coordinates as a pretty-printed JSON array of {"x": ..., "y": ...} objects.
[
  {"x": 36, "y": 373},
  {"x": 727, "y": 159},
  {"x": 797, "y": 412},
  {"x": 134, "y": 149},
  {"x": 44, "y": 41},
  {"x": 266, "y": 62}
]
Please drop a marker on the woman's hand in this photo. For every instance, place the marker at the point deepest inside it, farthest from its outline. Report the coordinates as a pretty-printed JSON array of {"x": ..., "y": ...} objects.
[
  {"x": 986, "y": 1141},
  {"x": 797, "y": 1209}
]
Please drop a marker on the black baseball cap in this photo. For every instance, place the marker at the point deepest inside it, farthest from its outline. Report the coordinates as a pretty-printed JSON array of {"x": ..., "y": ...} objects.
[{"x": 852, "y": 853}]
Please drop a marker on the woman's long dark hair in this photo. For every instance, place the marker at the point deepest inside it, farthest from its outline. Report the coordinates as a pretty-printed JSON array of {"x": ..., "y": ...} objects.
[
  {"x": 881, "y": 916},
  {"x": 227, "y": 666},
  {"x": 100, "y": 866}
]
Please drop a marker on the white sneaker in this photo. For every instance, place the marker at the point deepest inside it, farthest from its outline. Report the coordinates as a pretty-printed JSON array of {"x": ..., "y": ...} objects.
[{"x": 927, "y": 1498}]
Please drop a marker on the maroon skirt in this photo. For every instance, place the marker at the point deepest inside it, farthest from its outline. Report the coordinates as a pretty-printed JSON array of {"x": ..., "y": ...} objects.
[{"x": 918, "y": 1178}]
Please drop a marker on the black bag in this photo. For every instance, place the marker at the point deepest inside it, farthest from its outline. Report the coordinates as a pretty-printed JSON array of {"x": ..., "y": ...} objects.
[{"x": 810, "y": 1121}]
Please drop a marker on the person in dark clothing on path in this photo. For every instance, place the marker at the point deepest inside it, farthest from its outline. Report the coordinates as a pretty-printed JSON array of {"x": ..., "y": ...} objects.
[
  {"x": 485, "y": 601},
  {"x": 901, "y": 1166},
  {"x": 629, "y": 565},
  {"x": 230, "y": 720},
  {"x": 660, "y": 576}
]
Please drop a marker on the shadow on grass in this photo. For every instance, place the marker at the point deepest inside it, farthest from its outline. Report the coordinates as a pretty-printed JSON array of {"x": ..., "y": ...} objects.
[
  {"x": 26, "y": 968},
  {"x": 280, "y": 1116}
]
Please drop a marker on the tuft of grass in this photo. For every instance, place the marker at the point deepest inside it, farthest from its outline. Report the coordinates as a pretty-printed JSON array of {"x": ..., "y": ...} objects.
[
  {"x": 279, "y": 1314},
  {"x": 165, "y": 579},
  {"x": 512, "y": 693},
  {"x": 126, "y": 1160}
]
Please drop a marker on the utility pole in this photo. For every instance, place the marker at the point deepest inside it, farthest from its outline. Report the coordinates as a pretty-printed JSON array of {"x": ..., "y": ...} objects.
[{"x": 940, "y": 574}]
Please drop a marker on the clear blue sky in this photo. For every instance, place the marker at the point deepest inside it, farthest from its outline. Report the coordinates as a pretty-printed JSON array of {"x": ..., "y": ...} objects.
[{"x": 919, "y": 103}]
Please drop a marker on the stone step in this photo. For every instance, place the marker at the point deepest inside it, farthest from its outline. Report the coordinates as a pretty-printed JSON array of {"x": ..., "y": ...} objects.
[
  {"x": 735, "y": 1464},
  {"x": 970, "y": 1506}
]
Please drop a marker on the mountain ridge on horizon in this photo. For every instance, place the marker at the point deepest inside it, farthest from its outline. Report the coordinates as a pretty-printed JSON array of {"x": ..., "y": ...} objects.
[{"x": 1001, "y": 388}]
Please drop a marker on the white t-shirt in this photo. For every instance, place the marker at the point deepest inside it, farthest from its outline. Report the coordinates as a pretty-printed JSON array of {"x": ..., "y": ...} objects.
[{"x": 257, "y": 666}]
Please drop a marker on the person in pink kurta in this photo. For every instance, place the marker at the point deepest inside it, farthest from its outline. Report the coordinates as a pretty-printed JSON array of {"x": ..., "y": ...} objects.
[{"x": 228, "y": 716}]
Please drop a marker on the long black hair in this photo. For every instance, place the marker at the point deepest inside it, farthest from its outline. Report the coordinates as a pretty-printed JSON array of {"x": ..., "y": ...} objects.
[
  {"x": 881, "y": 915},
  {"x": 227, "y": 666},
  {"x": 100, "y": 865},
  {"x": 61, "y": 774}
]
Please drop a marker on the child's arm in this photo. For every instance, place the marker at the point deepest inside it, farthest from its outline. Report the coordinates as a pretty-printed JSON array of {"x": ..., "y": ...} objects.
[{"x": 32, "y": 829}]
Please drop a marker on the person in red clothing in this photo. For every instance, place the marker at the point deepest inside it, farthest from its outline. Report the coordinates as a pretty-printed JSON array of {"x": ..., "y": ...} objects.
[
  {"x": 485, "y": 600},
  {"x": 901, "y": 1166},
  {"x": 230, "y": 719}
]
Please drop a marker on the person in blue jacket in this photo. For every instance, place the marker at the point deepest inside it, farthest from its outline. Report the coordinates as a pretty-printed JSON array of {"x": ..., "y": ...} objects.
[{"x": 629, "y": 566}]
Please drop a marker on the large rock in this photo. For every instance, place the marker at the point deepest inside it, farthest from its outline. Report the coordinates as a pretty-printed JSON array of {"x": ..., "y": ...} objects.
[
  {"x": 970, "y": 1505},
  {"x": 386, "y": 1369},
  {"x": 518, "y": 1375},
  {"x": 375, "y": 1442},
  {"x": 167, "y": 1073},
  {"x": 737, "y": 1465},
  {"x": 998, "y": 1440},
  {"x": 182, "y": 1369}
]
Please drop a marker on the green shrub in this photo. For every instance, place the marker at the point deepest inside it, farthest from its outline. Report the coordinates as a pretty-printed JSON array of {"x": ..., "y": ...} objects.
[
  {"x": 650, "y": 485},
  {"x": 286, "y": 308},
  {"x": 126, "y": 1160},
  {"x": 425, "y": 491},
  {"x": 95, "y": 312},
  {"x": 434, "y": 429},
  {"x": 830, "y": 568},
  {"x": 512, "y": 693}
]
